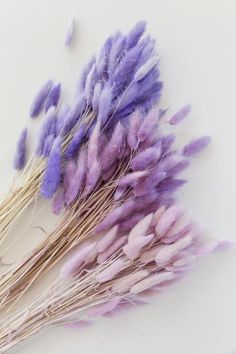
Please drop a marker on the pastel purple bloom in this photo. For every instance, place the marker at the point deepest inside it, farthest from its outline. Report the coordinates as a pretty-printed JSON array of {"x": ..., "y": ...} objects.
[
  {"x": 196, "y": 146},
  {"x": 116, "y": 53},
  {"x": 76, "y": 142},
  {"x": 20, "y": 152},
  {"x": 104, "y": 104},
  {"x": 48, "y": 145},
  {"x": 49, "y": 121},
  {"x": 52, "y": 175},
  {"x": 180, "y": 115},
  {"x": 58, "y": 202},
  {"x": 103, "y": 57},
  {"x": 96, "y": 96},
  {"x": 125, "y": 70},
  {"x": 135, "y": 34},
  {"x": 53, "y": 97},
  {"x": 145, "y": 159},
  {"x": 145, "y": 68},
  {"x": 70, "y": 32},
  {"x": 179, "y": 167},
  {"x": 123, "y": 211},
  {"x": 170, "y": 184},
  {"x": 166, "y": 142},
  {"x": 73, "y": 114},
  {"x": 148, "y": 125},
  {"x": 82, "y": 81},
  {"x": 113, "y": 148},
  {"x": 38, "y": 102},
  {"x": 75, "y": 177},
  {"x": 90, "y": 83}
]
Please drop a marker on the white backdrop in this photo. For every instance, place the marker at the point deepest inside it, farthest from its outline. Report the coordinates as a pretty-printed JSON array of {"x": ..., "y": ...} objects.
[{"x": 197, "y": 46}]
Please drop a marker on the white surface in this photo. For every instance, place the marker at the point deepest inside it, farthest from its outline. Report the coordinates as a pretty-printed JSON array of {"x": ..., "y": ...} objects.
[{"x": 196, "y": 41}]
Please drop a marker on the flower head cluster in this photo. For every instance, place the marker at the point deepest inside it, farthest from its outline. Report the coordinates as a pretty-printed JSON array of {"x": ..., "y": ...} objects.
[{"x": 158, "y": 251}]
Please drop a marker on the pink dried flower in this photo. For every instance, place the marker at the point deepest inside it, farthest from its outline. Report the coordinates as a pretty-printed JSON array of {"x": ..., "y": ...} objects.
[
  {"x": 111, "y": 271},
  {"x": 107, "y": 239},
  {"x": 151, "y": 281}
]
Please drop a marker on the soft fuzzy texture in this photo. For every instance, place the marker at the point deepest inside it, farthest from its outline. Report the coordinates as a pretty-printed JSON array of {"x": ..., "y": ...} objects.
[
  {"x": 20, "y": 152},
  {"x": 52, "y": 176},
  {"x": 40, "y": 98}
]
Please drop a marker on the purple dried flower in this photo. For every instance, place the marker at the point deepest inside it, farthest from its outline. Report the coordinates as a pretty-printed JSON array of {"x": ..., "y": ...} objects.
[
  {"x": 53, "y": 97},
  {"x": 76, "y": 141},
  {"x": 93, "y": 144},
  {"x": 179, "y": 167},
  {"x": 74, "y": 114},
  {"x": 166, "y": 142},
  {"x": 37, "y": 104},
  {"x": 180, "y": 115},
  {"x": 124, "y": 210},
  {"x": 148, "y": 125},
  {"x": 52, "y": 175},
  {"x": 115, "y": 246},
  {"x": 50, "y": 119},
  {"x": 145, "y": 159},
  {"x": 170, "y": 184},
  {"x": 135, "y": 34},
  {"x": 131, "y": 178},
  {"x": 130, "y": 222},
  {"x": 90, "y": 83},
  {"x": 75, "y": 178},
  {"x": 58, "y": 202},
  {"x": 70, "y": 32},
  {"x": 196, "y": 146},
  {"x": 93, "y": 174},
  {"x": 125, "y": 70},
  {"x": 116, "y": 52},
  {"x": 149, "y": 183},
  {"x": 61, "y": 118},
  {"x": 145, "y": 68},
  {"x": 103, "y": 57},
  {"x": 69, "y": 173},
  {"x": 113, "y": 148},
  {"x": 134, "y": 124},
  {"x": 82, "y": 81},
  {"x": 20, "y": 152},
  {"x": 148, "y": 50},
  {"x": 96, "y": 96},
  {"x": 48, "y": 145},
  {"x": 104, "y": 106}
]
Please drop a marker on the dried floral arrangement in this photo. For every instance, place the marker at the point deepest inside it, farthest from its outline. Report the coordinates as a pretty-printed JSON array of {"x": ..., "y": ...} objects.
[{"x": 112, "y": 174}]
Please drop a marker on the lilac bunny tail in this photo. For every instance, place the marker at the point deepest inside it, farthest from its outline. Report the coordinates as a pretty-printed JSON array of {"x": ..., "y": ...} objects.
[
  {"x": 52, "y": 175},
  {"x": 135, "y": 34},
  {"x": 39, "y": 99},
  {"x": 180, "y": 115},
  {"x": 196, "y": 146},
  {"x": 20, "y": 153},
  {"x": 53, "y": 97},
  {"x": 70, "y": 33}
]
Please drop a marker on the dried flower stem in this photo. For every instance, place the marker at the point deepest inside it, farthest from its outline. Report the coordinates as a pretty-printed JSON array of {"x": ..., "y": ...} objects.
[{"x": 77, "y": 223}]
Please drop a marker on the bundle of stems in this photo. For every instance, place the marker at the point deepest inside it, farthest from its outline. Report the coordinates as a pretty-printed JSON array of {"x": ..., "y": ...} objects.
[
  {"x": 133, "y": 174},
  {"x": 113, "y": 271},
  {"x": 122, "y": 77}
]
